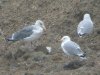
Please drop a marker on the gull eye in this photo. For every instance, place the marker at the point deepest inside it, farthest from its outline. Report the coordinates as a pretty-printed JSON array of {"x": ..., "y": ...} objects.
[{"x": 40, "y": 23}]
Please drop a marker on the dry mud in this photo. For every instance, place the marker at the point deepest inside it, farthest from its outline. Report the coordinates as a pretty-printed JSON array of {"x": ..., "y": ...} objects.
[{"x": 61, "y": 17}]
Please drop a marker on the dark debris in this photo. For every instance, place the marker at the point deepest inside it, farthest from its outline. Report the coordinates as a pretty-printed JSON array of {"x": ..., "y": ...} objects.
[{"x": 73, "y": 65}]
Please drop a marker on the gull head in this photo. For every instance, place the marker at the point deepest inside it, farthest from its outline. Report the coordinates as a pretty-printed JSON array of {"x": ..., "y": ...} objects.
[
  {"x": 67, "y": 38},
  {"x": 41, "y": 24},
  {"x": 87, "y": 16}
]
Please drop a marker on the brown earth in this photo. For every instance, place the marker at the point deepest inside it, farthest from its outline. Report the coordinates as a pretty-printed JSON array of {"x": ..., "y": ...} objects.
[{"x": 61, "y": 17}]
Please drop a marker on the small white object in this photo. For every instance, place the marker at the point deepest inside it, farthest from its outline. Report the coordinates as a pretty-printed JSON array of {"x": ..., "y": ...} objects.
[
  {"x": 71, "y": 48},
  {"x": 49, "y": 49},
  {"x": 85, "y": 26},
  {"x": 1, "y": 33}
]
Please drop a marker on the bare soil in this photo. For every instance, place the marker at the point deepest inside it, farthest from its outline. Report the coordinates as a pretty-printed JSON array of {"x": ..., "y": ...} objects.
[{"x": 61, "y": 17}]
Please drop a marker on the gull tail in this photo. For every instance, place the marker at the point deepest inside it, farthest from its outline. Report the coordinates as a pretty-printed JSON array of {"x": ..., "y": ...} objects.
[
  {"x": 80, "y": 35},
  {"x": 10, "y": 39},
  {"x": 83, "y": 56}
]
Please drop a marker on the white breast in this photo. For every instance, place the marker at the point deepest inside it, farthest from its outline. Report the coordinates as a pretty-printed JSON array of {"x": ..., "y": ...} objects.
[{"x": 36, "y": 35}]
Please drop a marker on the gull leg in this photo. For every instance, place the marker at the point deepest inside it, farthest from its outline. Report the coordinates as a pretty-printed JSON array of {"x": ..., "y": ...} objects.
[{"x": 31, "y": 46}]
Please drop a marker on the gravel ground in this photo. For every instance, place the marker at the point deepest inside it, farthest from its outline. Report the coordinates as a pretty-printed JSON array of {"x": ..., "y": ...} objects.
[{"x": 61, "y": 17}]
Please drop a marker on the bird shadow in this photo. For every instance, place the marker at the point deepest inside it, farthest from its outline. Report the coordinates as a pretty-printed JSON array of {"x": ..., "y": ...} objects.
[{"x": 74, "y": 65}]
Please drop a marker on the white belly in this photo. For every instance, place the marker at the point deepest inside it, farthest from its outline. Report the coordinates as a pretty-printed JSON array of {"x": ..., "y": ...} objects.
[{"x": 33, "y": 37}]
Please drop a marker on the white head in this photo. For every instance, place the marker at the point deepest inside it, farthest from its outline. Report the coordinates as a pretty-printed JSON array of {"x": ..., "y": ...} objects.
[
  {"x": 87, "y": 16},
  {"x": 40, "y": 23},
  {"x": 67, "y": 38}
]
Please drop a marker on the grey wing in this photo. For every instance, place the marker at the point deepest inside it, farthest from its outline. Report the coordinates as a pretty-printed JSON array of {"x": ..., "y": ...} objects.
[
  {"x": 25, "y": 32},
  {"x": 84, "y": 27},
  {"x": 72, "y": 48}
]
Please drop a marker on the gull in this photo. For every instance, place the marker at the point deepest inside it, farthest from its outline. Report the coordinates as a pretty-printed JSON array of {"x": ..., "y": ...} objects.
[
  {"x": 71, "y": 48},
  {"x": 29, "y": 33},
  {"x": 85, "y": 27}
]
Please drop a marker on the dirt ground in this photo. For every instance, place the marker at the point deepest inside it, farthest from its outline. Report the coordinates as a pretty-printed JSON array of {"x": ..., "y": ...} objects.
[{"x": 61, "y": 17}]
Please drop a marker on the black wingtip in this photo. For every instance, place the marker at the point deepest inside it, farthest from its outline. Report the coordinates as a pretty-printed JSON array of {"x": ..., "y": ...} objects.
[
  {"x": 80, "y": 35},
  {"x": 9, "y": 39},
  {"x": 83, "y": 56}
]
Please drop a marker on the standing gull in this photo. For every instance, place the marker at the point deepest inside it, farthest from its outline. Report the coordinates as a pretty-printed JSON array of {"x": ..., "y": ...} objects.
[
  {"x": 71, "y": 48},
  {"x": 85, "y": 27},
  {"x": 28, "y": 33}
]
